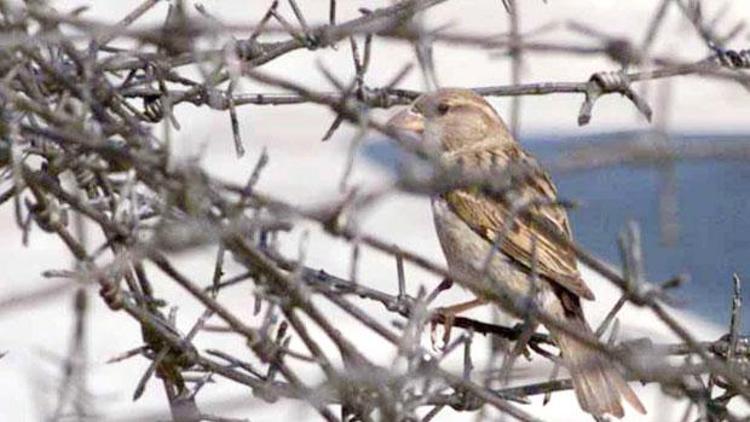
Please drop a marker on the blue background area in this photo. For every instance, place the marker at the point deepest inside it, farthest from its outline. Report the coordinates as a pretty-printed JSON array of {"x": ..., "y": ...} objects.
[{"x": 714, "y": 219}]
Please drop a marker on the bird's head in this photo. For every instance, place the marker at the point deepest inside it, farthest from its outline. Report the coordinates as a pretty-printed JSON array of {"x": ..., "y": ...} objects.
[{"x": 453, "y": 119}]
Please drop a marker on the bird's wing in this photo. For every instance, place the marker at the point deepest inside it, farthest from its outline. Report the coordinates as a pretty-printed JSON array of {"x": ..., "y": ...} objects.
[{"x": 488, "y": 214}]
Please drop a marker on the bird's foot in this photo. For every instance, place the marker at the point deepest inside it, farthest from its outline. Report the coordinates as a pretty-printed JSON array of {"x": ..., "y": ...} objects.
[{"x": 447, "y": 316}]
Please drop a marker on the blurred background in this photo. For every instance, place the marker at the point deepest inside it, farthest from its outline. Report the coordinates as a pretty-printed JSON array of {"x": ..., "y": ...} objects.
[{"x": 692, "y": 214}]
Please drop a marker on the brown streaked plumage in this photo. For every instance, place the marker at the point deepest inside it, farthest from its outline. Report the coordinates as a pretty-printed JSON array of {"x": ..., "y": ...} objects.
[{"x": 470, "y": 135}]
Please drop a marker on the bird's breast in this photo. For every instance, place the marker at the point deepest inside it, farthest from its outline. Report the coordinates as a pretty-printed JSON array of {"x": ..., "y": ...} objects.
[{"x": 466, "y": 253}]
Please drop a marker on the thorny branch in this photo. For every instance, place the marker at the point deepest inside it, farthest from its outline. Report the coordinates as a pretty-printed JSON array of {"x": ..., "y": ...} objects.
[{"x": 76, "y": 139}]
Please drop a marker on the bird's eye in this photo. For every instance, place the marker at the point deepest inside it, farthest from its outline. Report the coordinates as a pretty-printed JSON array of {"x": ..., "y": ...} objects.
[{"x": 443, "y": 108}]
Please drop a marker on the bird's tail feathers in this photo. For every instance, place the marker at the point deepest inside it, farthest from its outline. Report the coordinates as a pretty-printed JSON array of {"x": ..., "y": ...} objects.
[{"x": 597, "y": 382}]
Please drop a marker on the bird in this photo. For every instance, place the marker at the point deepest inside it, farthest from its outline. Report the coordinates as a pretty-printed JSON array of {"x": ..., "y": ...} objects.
[{"x": 464, "y": 132}]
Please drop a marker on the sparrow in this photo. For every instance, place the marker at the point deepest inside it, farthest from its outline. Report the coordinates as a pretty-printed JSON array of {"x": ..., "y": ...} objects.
[{"x": 466, "y": 133}]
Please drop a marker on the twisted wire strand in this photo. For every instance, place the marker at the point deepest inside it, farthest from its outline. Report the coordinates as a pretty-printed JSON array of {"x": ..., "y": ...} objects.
[
  {"x": 83, "y": 173},
  {"x": 602, "y": 83},
  {"x": 733, "y": 59},
  {"x": 49, "y": 215},
  {"x": 614, "y": 81}
]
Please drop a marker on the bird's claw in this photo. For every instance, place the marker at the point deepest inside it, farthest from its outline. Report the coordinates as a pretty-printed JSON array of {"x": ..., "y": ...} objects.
[{"x": 448, "y": 318}]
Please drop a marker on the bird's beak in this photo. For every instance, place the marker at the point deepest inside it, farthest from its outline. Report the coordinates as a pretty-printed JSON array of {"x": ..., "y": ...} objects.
[{"x": 407, "y": 120}]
